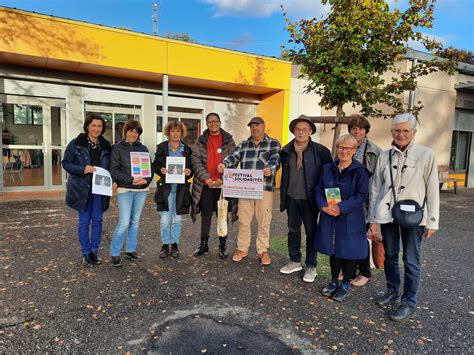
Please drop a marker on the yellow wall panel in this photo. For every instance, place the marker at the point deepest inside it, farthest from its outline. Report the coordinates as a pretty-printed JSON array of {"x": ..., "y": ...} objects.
[
  {"x": 209, "y": 63},
  {"x": 274, "y": 109},
  {"x": 50, "y": 37}
]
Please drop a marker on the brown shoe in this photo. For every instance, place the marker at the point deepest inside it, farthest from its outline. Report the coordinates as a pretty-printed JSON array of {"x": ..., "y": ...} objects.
[
  {"x": 239, "y": 255},
  {"x": 360, "y": 281},
  {"x": 264, "y": 258}
]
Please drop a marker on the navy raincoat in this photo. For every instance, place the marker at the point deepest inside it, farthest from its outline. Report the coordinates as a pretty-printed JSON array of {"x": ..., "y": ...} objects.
[{"x": 343, "y": 236}]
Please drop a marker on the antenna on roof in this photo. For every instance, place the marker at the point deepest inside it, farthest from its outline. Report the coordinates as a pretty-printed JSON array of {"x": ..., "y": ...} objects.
[{"x": 155, "y": 17}]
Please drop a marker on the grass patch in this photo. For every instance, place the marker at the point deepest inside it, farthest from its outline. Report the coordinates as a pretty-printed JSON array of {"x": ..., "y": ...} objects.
[{"x": 279, "y": 244}]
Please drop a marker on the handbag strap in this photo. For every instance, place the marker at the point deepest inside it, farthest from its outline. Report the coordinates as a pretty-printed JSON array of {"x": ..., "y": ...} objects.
[
  {"x": 221, "y": 197},
  {"x": 391, "y": 180},
  {"x": 391, "y": 175}
]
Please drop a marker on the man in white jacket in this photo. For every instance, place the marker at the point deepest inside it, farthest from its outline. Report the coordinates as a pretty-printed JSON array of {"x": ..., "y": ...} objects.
[{"x": 415, "y": 177}]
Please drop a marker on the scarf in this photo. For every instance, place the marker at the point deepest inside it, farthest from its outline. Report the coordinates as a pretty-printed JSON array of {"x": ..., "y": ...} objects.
[
  {"x": 299, "y": 149},
  {"x": 93, "y": 145}
]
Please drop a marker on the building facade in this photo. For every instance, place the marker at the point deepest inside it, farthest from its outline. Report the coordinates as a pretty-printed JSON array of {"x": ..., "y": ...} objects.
[{"x": 54, "y": 71}]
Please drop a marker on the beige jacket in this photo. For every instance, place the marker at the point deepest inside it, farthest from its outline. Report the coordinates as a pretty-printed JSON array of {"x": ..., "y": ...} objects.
[{"x": 415, "y": 177}]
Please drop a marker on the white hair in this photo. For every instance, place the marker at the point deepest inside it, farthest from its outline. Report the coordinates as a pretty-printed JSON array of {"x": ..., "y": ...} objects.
[{"x": 405, "y": 117}]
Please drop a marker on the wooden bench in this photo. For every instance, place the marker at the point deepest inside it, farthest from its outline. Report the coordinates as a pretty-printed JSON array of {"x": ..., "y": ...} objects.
[{"x": 443, "y": 176}]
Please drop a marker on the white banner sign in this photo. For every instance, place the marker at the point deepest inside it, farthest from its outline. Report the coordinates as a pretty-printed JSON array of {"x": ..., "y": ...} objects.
[{"x": 243, "y": 183}]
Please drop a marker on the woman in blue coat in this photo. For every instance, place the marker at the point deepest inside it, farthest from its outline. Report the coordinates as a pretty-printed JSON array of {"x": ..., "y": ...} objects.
[
  {"x": 82, "y": 155},
  {"x": 341, "y": 232}
]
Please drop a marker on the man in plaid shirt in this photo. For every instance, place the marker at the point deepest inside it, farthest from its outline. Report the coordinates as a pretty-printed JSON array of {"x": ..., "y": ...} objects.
[{"x": 259, "y": 152}]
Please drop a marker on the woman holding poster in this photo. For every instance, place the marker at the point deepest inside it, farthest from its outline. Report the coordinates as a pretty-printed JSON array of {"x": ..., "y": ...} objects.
[
  {"x": 172, "y": 196},
  {"x": 340, "y": 195},
  {"x": 130, "y": 168},
  {"x": 83, "y": 154}
]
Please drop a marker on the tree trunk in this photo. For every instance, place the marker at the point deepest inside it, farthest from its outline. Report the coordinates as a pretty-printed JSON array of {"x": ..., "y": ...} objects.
[{"x": 337, "y": 129}]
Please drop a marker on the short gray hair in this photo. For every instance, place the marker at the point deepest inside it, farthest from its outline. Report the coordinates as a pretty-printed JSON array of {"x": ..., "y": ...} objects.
[
  {"x": 346, "y": 138},
  {"x": 405, "y": 117}
]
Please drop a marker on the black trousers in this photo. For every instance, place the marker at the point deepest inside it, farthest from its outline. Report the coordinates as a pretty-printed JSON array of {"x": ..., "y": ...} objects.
[
  {"x": 348, "y": 268},
  {"x": 300, "y": 211},
  {"x": 208, "y": 204}
]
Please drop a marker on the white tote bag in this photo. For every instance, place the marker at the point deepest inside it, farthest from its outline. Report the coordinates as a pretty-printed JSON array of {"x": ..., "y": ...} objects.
[{"x": 222, "y": 205}]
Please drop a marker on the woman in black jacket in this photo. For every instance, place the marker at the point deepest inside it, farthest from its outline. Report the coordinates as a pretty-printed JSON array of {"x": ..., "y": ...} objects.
[
  {"x": 172, "y": 199},
  {"x": 82, "y": 155},
  {"x": 132, "y": 189}
]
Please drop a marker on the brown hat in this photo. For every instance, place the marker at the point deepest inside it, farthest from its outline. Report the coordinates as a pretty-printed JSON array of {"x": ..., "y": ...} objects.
[
  {"x": 256, "y": 119},
  {"x": 302, "y": 118}
]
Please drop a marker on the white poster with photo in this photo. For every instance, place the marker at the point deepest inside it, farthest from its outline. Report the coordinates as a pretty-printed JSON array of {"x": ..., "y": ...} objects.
[
  {"x": 140, "y": 164},
  {"x": 101, "y": 182},
  {"x": 243, "y": 183},
  {"x": 175, "y": 167}
]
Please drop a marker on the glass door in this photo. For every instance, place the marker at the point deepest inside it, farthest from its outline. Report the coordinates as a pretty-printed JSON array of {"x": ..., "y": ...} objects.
[{"x": 32, "y": 143}]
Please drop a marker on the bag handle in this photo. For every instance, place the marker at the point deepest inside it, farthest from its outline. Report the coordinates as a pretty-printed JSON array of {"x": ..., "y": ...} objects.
[{"x": 391, "y": 180}]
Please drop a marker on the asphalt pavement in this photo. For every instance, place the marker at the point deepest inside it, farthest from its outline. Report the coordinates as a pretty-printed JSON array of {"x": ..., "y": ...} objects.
[{"x": 50, "y": 303}]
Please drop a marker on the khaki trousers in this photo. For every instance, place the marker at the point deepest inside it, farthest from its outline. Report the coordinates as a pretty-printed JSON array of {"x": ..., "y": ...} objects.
[{"x": 262, "y": 209}]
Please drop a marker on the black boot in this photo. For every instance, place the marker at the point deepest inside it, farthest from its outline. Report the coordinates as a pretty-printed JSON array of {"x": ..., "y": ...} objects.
[
  {"x": 203, "y": 248},
  {"x": 165, "y": 251},
  {"x": 222, "y": 251},
  {"x": 174, "y": 250}
]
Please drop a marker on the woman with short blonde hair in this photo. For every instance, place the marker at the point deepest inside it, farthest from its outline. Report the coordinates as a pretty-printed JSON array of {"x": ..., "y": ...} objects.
[
  {"x": 172, "y": 200},
  {"x": 340, "y": 195}
]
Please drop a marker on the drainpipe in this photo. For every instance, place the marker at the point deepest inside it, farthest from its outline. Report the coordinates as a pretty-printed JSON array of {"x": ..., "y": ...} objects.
[
  {"x": 411, "y": 96},
  {"x": 165, "y": 100}
]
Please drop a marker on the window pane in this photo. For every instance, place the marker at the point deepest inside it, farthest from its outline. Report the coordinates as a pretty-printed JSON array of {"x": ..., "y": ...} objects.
[
  {"x": 28, "y": 115},
  {"x": 461, "y": 151}
]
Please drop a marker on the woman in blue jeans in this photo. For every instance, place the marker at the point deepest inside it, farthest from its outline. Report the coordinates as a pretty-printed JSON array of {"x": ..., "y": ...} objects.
[
  {"x": 172, "y": 200},
  {"x": 82, "y": 155},
  {"x": 132, "y": 190}
]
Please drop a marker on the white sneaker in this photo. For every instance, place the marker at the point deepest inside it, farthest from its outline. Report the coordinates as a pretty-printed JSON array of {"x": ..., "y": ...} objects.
[
  {"x": 291, "y": 267},
  {"x": 310, "y": 274}
]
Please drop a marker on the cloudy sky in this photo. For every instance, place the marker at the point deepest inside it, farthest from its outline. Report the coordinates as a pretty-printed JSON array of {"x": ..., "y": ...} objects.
[{"x": 254, "y": 26}]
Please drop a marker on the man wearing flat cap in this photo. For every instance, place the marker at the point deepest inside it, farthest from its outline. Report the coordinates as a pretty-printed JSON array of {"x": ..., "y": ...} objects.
[
  {"x": 302, "y": 161},
  {"x": 258, "y": 152}
]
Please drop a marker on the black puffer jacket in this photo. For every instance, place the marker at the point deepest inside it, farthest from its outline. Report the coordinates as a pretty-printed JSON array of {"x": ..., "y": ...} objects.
[
  {"x": 199, "y": 161},
  {"x": 79, "y": 185},
  {"x": 183, "y": 193},
  {"x": 120, "y": 164}
]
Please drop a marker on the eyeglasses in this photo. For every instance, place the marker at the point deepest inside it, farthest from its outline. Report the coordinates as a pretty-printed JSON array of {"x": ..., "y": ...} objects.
[
  {"x": 400, "y": 131},
  {"x": 213, "y": 122},
  {"x": 303, "y": 130},
  {"x": 344, "y": 149}
]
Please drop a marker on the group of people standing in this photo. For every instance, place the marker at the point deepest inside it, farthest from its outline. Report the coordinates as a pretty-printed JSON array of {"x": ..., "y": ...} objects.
[{"x": 340, "y": 203}]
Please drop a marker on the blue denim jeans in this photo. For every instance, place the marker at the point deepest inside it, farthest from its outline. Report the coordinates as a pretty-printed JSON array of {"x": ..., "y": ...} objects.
[
  {"x": 92, "y": 213},
  {"x": 170, "y": 223},
  {"x": 130, "y": 205},
  {"x": 411, "y": 241}
]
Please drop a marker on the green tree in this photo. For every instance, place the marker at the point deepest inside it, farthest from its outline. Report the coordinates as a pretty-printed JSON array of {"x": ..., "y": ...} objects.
[
  {"x": 346, "y": 54},
  {"x": 459, "y": 55}
]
